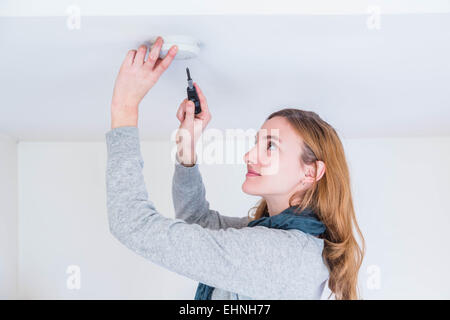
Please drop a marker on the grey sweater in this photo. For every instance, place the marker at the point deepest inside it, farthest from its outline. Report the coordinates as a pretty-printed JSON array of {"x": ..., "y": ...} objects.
[{"x": 240, "y": 262}]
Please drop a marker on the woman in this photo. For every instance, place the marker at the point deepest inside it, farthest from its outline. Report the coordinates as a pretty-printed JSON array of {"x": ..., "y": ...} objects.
[{"x": 300, "y": 237}]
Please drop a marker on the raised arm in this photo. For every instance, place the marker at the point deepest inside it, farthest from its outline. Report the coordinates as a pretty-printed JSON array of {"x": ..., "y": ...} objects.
[
  {"x": 188, "y": 190},
  {"x": 253, "y": 261},
  {"x": 189, "y": 200}
]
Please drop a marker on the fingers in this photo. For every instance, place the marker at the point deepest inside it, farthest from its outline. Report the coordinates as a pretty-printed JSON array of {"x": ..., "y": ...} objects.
[
  {"x": 153, "y": 63},
  {"x": 140, "y": 55},
  {"x": 190, "y": 109},
  {"x": 129, "y": 58},
  {"x": 185, "y": 107},
  {"x": 162, "y": 64},
  {"x": 154, "y": 53},
  {"x": 180, "y": 112},
  {"x": 204, "y": 114}
]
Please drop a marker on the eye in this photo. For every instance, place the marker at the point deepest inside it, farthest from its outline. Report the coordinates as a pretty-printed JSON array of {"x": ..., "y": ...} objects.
[{"x": 270, "y": 144}]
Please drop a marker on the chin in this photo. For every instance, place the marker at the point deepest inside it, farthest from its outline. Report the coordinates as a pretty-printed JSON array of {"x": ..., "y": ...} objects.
[{"x": 249, "y": 190}]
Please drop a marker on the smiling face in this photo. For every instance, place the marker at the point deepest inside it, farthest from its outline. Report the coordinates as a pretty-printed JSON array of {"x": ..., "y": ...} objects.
[{"x": 277, "y": 159}]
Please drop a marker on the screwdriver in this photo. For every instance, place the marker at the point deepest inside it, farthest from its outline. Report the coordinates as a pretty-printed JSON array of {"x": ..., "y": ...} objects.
[{"x": 192, "y": 93}]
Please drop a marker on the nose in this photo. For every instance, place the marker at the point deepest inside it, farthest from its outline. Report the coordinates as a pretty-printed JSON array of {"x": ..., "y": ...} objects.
[{"x": 251, "y": 156}]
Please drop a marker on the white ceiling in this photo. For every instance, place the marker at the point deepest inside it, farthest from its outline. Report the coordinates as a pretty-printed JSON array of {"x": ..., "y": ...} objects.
[
  {"x": 57, "y": 83},
  {"x": 25, "y": 8}
]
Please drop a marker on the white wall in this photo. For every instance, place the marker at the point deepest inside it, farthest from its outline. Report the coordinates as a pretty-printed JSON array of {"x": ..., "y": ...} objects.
[
  {"x": 8, "y": 217},
  {"x": 400, "y": 189}
]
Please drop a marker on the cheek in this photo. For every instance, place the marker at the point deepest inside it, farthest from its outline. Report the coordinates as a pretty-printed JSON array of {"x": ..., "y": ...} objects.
[
  {"x": 276, "y": 179},
  {"x": 285, "y": 180},
  {"x": 272, "y": 164}
]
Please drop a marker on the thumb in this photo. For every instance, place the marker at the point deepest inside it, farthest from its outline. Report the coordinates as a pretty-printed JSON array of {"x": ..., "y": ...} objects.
[{"x": 190, "y": 111}]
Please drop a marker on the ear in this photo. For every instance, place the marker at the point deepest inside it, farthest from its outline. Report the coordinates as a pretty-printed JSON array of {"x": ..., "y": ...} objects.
[
  {"x": 320, "y": 169},
  {"x": 309, "y": 169}
]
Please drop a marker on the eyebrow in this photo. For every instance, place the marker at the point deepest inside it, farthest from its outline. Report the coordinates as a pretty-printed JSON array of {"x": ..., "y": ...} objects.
[{"x": 270, "y": 137}]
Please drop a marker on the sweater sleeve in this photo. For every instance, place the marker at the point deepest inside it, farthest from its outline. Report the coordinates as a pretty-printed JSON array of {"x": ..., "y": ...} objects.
[
  {"x": 189, "y": 201},
  {"x": 258, "y": 262}
]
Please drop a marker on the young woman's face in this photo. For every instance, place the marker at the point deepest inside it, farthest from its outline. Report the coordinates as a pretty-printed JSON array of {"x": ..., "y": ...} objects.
[{"x": 275, "y": 159}]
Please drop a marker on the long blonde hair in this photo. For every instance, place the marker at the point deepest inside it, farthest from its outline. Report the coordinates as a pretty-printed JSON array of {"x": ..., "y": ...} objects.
[{"x": 330, "y": 198}]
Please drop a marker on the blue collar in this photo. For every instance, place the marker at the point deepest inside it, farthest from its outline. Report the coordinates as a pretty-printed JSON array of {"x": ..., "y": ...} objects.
[{"x": 306, "y": 221}]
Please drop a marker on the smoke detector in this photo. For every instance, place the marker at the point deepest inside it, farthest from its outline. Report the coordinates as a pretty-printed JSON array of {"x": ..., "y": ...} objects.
[{"x": 188, "y": 47}]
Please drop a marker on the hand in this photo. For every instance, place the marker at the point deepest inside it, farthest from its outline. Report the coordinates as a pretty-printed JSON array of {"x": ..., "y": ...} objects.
[
  {"x": 191, "y": 127},
  {"x": 136, "y": 77}
]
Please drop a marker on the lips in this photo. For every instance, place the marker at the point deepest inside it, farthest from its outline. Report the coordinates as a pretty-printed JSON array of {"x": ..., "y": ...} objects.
[{"x": 251, "y": 172}]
